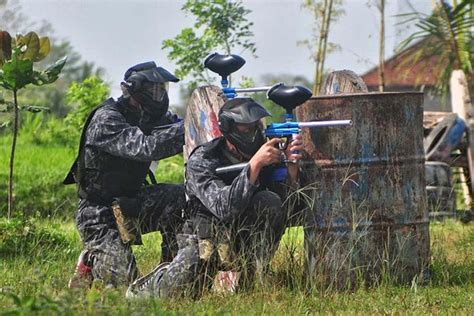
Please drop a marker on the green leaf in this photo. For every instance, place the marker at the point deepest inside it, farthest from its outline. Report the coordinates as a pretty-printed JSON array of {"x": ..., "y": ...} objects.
[
  {"x": 447, "y": 35},
  {"x": 5, "y": 124},
  {"x": 16, "y": 299},
  {"x": 32, "y": 43},
  {"x": 34, "y": 108},
  {"x": 16, "y": 73},
  {"x": 5, "y": 46},
  {"x": 219, "y": 25},
  {"x": 6, "y": 107},
  {"x": 44, "y": 48},
  {"x": 28, "y": 302},
  {"x": 5, "y": 84},
  {"x": 50, "y": 74}
]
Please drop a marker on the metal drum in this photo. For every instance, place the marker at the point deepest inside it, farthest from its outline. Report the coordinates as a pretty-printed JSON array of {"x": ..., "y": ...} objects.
[{"x": 367, "y": 216}]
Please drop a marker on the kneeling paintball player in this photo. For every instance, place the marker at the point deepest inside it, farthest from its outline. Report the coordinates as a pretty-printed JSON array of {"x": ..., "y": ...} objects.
[
  {"x": 237, "y": 218},
  {"x": 118, "y": 143}
]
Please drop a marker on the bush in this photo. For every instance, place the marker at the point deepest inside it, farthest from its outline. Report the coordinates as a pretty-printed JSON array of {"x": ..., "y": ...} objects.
[
  {"x": 46, "y": 129},
  {"x": 86, "y": 96}
]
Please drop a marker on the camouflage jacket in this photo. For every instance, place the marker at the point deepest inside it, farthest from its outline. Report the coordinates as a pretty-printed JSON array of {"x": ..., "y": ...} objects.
[
  {"x": 223, "y": 196},
  {"x": 116, "y": 153}
]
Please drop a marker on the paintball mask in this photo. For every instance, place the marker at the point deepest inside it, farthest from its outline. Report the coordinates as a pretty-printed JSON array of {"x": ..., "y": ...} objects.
[
  {"x": 148, "y": 85},
  {"x": 243, "y": 111}
]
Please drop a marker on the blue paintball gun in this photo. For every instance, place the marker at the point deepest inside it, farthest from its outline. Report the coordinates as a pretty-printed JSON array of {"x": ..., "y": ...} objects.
[{"x": 288, "y": 97}]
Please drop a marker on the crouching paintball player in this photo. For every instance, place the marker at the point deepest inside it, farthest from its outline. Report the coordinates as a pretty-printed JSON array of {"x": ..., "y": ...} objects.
[
  {"x": 236, "y": 218},
  {"x": 118, "y": 143}
]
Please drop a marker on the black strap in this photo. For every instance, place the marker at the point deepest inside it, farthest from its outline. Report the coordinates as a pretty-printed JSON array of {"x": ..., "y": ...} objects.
[{"x": 152, "y": 177}]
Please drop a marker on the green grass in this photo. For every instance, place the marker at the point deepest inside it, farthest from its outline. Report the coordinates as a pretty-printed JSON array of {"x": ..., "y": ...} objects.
[
  {"x": 34, "y": 277},
  {"x": 37, "y": 258},
  {"x": 40, "y": 170}
]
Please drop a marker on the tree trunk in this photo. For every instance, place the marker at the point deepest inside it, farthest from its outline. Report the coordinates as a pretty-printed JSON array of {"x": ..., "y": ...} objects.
[
  {"x": 11, "y": 205},
  {"x": 322, "y": 45},
  {"x": 382, "y": 47},
  {"x": 319, "y": 52},
  {"x": 328, "y": 13},
  {"x": 461, "y": 105}
]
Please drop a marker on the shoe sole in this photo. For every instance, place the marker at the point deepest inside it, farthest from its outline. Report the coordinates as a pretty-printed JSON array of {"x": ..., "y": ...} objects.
[{"x": 138, "y": 282}]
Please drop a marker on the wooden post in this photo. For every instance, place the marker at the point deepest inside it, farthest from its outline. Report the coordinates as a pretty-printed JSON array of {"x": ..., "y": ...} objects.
[
  {"x": 200, "y": 122},
  {"x": 462, "y": 106}
]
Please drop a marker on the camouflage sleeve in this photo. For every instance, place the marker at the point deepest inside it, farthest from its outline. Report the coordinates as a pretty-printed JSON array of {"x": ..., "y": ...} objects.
[
  {"x": 224, "y": 201},
  {"x": 110, "y": 132}
]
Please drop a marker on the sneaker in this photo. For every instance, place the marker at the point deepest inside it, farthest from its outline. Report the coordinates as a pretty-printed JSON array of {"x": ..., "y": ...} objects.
[
  {"x": 145, "y": 286},
  {"x": 82, "y": 277}
]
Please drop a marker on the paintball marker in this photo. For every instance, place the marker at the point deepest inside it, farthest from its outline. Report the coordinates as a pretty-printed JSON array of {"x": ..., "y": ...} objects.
[
  {"x": 224, "y": 65},
  {"x": 288, "y": 97}
]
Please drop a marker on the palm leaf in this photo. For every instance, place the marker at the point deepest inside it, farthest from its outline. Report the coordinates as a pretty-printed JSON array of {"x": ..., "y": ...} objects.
[{"x": 448, "y": 36}]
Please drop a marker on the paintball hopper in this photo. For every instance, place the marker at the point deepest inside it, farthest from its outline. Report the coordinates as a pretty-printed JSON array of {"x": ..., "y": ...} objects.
[
  {"x": 288, "y": 97},
  {"x": 223, "y": 65}
]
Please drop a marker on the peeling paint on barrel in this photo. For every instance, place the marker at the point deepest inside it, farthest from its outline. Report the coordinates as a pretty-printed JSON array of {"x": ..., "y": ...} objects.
[{"x": 369, "y": 217}]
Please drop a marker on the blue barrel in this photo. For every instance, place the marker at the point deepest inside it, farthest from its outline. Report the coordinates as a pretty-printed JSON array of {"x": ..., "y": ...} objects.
[
  {"x": 444, "y": 138},
  {"x": 366, "y": 216}
]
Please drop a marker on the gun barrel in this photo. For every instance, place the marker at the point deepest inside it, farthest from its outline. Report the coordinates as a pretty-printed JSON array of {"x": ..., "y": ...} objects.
[
  {"x": 256, "y": 89},
  {"x": 325, "y": 123},
  {"x": 231, "y": 168}
]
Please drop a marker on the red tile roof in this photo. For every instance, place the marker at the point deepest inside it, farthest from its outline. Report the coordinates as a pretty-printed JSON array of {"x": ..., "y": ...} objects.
[{"x": 402, "y": 70}]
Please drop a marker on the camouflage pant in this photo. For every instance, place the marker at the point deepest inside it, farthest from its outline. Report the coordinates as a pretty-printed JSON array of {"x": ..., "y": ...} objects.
[
  {"x": 160, "y": 209},
  {"x": 253, "y": 238}
]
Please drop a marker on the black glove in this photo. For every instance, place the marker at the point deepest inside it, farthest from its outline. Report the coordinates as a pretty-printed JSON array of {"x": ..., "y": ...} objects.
[{"x": 149, "y": 122}]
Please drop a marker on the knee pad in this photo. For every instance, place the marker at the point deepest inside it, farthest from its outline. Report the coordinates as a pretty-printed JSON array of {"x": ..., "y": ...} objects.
[
  {"x": 267, "y": 199},
  {"x": 269, "y": 204}
]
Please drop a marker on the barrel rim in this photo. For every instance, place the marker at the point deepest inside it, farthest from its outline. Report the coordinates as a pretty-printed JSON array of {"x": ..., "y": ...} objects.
[{"x": 437, "y": 163}]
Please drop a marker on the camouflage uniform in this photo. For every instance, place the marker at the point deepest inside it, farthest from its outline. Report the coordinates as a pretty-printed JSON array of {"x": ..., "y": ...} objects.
[
  {"x": 235, "y": 224},
  {"x": 113, "y": 163}
]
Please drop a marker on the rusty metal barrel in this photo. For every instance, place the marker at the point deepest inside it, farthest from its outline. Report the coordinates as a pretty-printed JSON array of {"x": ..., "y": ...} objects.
[{"x": 366, "y": 217}]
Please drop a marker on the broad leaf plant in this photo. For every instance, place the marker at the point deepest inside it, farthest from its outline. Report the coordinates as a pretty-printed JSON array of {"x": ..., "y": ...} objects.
[{"x": 17, "y": 58}]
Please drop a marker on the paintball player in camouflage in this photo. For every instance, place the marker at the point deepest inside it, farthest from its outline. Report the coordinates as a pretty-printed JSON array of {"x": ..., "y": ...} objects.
[
  {"x": 236, "y": 219},
  {"x": 118, "y": 143}
]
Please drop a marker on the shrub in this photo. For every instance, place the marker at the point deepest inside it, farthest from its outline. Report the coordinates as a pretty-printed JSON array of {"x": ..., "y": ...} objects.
[{"x": 86, "y": 96}]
